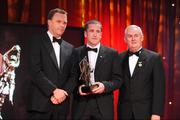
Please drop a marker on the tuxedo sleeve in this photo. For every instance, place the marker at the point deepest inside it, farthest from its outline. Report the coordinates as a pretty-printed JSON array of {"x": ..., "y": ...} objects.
[
  {"x": 39, "y": 78},
  {"x": 158, "y": 87},
  {"x": 73, "y": 77},
  {"x": 116, "y": 78}
]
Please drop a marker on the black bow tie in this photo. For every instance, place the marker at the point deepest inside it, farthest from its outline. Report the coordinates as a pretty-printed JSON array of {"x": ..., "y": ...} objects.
[
  {"x": 134, "y": 53},
  {"x": 91, "y": 49},
  {"x": 59, "y": 41}
]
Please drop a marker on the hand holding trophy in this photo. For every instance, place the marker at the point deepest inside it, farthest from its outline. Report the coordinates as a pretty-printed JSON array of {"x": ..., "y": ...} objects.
[{"x": 85, "y": 76}]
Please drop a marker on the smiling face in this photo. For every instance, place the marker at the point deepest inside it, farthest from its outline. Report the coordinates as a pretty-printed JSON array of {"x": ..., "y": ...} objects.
[
  {"x": 93, "y": 34},
  {"x": 57, "y": 24},
  {"x": 133, "y": 38}
]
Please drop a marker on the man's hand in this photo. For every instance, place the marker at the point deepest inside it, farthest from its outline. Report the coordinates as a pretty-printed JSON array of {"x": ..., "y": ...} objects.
[
  {"x": 155, "y": 117},
  {"x": 100, "y": 89},
  {"x": 80, "y": 91},
  {"x": 54, "y": 100},
  {"x": 59, "y": 95}
]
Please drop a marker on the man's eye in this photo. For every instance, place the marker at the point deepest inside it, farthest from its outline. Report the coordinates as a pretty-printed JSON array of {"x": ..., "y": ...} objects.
[
  {"x": 136, "y": 35},
  {"x": 98, "y": 31}
]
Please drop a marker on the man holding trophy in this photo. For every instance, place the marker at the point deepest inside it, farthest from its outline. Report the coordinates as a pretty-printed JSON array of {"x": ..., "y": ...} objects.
[{"x": 93, "y": 98}]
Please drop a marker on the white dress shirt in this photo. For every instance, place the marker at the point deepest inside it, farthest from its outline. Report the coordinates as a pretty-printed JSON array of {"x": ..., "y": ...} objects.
[
  {"x": 56, "y": 47},
  {"x": 132, "y": 62},
  {"x": 92, "y": 56}
]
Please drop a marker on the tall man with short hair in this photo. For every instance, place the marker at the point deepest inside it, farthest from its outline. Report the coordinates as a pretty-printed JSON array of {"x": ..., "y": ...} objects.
[
  {"x": 52, "y": 62},
  {"x": 142, "y": 94},
  {"x": 98, "y": 103}
]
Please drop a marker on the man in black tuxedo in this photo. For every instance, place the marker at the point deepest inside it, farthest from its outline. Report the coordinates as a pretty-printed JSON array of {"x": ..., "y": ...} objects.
[
  {"x": 52, "y": 64},
  {"x": 142, "y": 94},
  {"x": 98, "y": 103}
]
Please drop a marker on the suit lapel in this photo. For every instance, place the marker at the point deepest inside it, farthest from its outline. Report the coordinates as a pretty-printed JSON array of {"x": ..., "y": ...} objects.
[
  {"x": 83, "y": 52},
  {"x": 49, "y": 47},
  {"x": 140, "y": 63},
  {"x": 126, "y": 66},
  {"x": 65, "y": 52},
  {"x": 100, "y": 57}
]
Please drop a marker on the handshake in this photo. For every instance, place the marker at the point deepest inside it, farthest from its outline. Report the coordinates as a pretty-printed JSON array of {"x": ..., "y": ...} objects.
[{"x": 59, "y": 95}]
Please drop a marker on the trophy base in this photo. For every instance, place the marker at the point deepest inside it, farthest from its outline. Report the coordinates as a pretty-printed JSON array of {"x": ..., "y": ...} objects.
[{"x": 88, "y": 89}]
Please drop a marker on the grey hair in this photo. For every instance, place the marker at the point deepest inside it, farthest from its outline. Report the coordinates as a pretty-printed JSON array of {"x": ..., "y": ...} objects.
[{"x": 133, "y": 26}]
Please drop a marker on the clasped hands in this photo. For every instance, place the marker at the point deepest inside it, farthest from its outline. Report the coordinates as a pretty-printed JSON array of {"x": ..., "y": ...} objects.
[
  {"x": 100, "y": 89},
  {"x": 59, "y": 95}
]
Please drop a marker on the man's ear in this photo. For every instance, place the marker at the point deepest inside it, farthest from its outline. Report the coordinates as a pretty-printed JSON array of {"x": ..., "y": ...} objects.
[
  {"x": 125, "y": 39},
  {"x": 49, "y": 22},
  {"x": 85, "y": 34},
  {"x": 142, "y": 38}
]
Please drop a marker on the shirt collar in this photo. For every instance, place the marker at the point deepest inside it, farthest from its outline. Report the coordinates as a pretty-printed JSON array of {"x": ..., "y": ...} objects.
[
  {"x": 51, "y": 36},
  {"x": 97, "y": 46}
]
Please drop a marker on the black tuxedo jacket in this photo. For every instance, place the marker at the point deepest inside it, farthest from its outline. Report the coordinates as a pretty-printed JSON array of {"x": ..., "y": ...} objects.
[
  {"x": 144, "y": 92},
  {"x": 47, "y": 75},
  {"x": 103, "y": 73}
]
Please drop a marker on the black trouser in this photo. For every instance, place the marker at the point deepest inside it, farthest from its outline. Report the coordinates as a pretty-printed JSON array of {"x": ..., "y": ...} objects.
[
  {"x": 52, "y": 115},
  {"x": 92, "y": 111}
]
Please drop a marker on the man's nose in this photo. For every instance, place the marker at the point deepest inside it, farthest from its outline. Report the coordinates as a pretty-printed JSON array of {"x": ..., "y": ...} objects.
[
  {"x": 133, "y": 38},
  {"x": 95, "y": 34},
  {"x": 62, "y": 25}
]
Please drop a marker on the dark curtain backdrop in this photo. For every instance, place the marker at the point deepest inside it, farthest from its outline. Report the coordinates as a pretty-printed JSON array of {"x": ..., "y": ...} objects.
[{"x": 159, "y": 20}]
